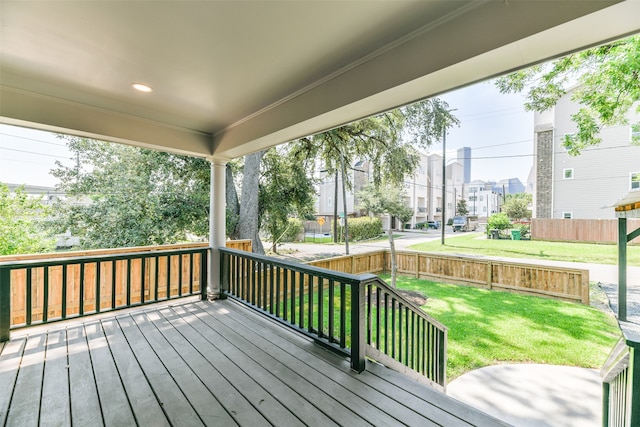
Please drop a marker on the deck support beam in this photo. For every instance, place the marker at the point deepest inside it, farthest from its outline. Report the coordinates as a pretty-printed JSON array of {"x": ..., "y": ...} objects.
[{"x": 217, "y": 225}]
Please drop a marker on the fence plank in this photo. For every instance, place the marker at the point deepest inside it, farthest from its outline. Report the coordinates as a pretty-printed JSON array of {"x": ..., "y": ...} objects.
[
  {"x": 552, "y": 282},
  {"x": 580, "y": 230}
]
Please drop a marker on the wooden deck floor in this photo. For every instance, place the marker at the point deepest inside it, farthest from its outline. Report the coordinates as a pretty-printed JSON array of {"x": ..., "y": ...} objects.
[{"x": 201, "y": 363}]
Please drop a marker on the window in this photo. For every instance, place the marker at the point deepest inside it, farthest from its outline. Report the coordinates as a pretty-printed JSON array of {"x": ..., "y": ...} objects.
[
  {"x": 567, "y": 215},
  {"x": 482, "y": 198},
  {"x": 568, "y": 138},
  {"x": 635, "y": 181},
  {"x": 567, "y": 173}
]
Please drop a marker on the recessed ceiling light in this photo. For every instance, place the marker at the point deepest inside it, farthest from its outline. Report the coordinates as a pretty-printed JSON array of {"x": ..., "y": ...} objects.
[{"x": 141, "y": 87}]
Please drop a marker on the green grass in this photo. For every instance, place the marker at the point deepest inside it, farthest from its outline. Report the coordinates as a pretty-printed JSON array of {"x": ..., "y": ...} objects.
[
  {"x": 320, "y": 239},
  {"x": 491, "y": 327},
  {"x": 474, "y": 243}
]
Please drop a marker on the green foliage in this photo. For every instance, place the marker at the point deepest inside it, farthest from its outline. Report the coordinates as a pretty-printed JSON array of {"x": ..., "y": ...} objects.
[
  {"x": 461, "y": 207},
  {"x": 286, "y": 190},
  {"x": 608, "y": 80},
  {"x": 386, "y": 140},
  {"x": 294, "y": 229},
  {"x": 525, "y": 229},
  {"x": 136, "y": 196},
  {"x": 22, "y": 221},
  {"x": 490, "y": 327},
  {"x": 499, "y": 221},
  {"x": 362, "y": 228},
  {"x": 517, "y": 209}
]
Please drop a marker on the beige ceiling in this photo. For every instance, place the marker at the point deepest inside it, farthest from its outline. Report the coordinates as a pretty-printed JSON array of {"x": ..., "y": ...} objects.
[{"x": 232, "y": 77}]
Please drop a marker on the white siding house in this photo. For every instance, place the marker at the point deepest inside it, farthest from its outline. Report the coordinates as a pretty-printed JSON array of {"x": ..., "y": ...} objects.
[{"x": 583, "y": 186}]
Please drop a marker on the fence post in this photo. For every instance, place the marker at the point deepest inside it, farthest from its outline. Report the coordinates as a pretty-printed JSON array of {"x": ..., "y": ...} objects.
[
  {"x": 357, "y": 327},
  {"x": 5, "y": 303}
]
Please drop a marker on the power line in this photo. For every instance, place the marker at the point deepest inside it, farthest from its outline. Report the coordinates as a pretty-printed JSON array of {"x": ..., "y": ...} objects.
[
  {"x": 34, "y": 153},
  {"x": 32, "y": 139}
]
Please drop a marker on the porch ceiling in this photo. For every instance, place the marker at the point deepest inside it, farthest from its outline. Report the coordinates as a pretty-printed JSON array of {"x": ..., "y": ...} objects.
[{"x": 233, "y": 77}]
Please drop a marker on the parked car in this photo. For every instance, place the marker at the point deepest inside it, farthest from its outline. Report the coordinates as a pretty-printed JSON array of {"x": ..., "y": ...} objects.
[
  {"x": 465, "y": 223},
  {"x": 433, "y": 224}
]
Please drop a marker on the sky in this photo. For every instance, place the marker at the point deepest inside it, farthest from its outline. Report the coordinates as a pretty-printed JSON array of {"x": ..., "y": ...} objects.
[{"x": 495, "y": 126}]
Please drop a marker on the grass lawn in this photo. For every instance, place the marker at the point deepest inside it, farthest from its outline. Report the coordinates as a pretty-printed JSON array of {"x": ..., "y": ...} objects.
[
  {"x": 474, "y": 243},
  {"x": 491, "y": 327}
]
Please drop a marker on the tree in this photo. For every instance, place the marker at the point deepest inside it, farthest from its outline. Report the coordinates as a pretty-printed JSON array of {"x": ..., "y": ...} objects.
[
  {"x": 517, "y": 209},
  {"x": 136, "y": 196},
  {"x": 387, "y": 199},
  {"x": 22, "y": 221},
  {"x": 461, "y": 207},
  {"x": 286, "y": 191},
  {"x": 608, "y": 79},
  {"x": 387, "y": 140}
]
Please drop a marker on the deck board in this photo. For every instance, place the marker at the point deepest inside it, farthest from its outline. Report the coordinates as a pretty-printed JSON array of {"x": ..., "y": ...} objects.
[
  {"x": 10, "y": 358},
  {"x": 202, "y": 363},
  {"x": 85, "y": 404},
  {"x": 362, "y": 401},
  {"x": 114, "y": 402},
  {"x": 55, "y": 408}
]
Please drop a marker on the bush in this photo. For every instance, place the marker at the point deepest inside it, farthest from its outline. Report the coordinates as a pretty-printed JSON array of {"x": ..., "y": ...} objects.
[
  {"x": 498, "y": 221},
  {"x": 362, "y": 228},
  {"x": 525, "y": 229},
  {"x": 294, "y": 228}
]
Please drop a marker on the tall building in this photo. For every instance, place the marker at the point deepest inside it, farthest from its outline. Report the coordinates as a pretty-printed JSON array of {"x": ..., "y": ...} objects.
[
  {"x": 464, "y": 158},
  {"x": 583, "y": 186}
]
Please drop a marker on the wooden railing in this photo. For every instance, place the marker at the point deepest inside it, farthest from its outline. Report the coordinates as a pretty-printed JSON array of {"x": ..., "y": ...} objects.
[
  {"x": 352, "y": 314},
  {"x": 42, "y": 291},
  {"x": 621, "y": 381},
  {"x": 553, "y": 282}
]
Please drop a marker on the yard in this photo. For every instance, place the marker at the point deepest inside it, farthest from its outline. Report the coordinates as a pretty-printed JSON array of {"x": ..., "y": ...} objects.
[
  {"x": 477, "y": 244},
  {"x": 490, "y": 327}
]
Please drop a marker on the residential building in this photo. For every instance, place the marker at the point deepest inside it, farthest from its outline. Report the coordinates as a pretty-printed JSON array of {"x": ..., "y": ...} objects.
[
  {"x": 423, "y": 190},
  {"x": 583, "y": 186}
]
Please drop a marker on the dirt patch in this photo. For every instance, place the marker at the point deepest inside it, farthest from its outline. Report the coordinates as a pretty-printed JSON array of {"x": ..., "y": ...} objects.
[{"x": 415, "y": 297}]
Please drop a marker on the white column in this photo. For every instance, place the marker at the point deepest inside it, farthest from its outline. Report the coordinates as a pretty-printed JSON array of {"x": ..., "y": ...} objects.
[{"x": 217, "y": 224}]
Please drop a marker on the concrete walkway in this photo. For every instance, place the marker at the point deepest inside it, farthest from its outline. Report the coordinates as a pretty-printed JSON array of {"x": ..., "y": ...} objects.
[
  {"x": 524, "y": 395},
  {"x": 531, "y": 395}
]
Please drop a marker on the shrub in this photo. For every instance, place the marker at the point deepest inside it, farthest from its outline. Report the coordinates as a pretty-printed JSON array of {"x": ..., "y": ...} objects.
[
  {"x": 498, "y": 221},
  {"x": 361, "y": 228},
  {"x": 525, "y": 229},
  {"x": 294, "y": 227}
]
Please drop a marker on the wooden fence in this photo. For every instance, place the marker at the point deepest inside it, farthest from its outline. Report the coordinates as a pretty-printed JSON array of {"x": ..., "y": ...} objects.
[
  {"x": 580, "y": 230},
  {"x": 539, "y": 280},
  {"x": 121, "y": 282}
]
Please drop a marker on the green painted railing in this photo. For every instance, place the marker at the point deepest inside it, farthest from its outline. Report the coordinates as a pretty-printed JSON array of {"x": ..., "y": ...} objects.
[
  {"x": 358, "y": 315},
  {"x": 621, "y": 381},
  {"x": 41, "y": 291}
]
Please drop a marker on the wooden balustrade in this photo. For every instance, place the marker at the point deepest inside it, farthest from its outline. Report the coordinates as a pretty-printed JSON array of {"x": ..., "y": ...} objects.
[
  {"x": 540, "y": 280},
  {"x": 353, "y": 314},
  {"x": 40, "y": 288}
]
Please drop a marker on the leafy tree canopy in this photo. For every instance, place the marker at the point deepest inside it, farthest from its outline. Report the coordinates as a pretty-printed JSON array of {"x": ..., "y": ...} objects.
[
  {"x": 137, "y": 197},
  {"x": 286, "y": 190},
  {"x": 22, "y": 221},
  {"x": 608, "y": 87}
]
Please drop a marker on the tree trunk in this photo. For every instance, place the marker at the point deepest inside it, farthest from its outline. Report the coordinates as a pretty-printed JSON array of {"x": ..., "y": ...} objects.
[
  {"x": 248, "y": 225},
  {"x": 392, "y": 250},
  {"x": 233, "y": 206}
]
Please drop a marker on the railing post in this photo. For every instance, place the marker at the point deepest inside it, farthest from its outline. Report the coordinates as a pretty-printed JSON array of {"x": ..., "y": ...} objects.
[
  {"x": 357, "y": 327},
  {"x": 605, "y": 404},
  {"x": 5, "y": 304},
  {"x": 204, "y": 273},
  {"x": 634, "y": 386}
]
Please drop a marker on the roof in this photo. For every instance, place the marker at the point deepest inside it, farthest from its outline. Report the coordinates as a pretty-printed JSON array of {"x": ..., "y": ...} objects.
[
  {"x": 233, "y": 77},
  {"x": 629, "y": 205}
]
